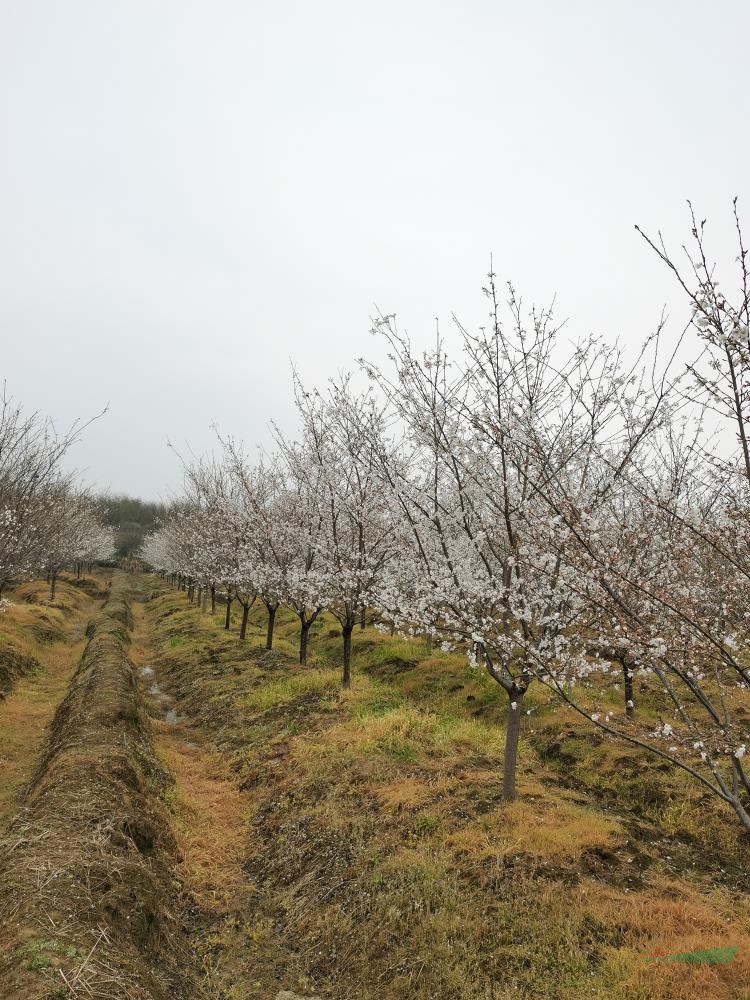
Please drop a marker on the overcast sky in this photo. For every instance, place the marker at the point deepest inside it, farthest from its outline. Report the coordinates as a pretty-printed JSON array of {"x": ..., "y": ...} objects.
[{"x": 194, "y": 193}]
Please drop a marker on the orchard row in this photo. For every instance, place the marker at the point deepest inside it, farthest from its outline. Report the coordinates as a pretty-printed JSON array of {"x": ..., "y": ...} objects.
[
  {"x": 563, "y": 512},
  {"x": 47, "y": 521}
]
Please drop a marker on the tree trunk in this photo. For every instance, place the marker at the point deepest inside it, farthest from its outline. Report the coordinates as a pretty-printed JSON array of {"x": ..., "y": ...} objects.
[
  {"x": 53, "y": 585},
  {"x": 245, "y": 615},
  {"x": 303, "y": 636},
  {"x": 363, "y": 618},
  {"x": 627, "y": 674},
  {"x": 271, "y": 619},
  {"x": 213, "y": 599},
  {"x": 347, "y": 634},
  {"x": 205, "y": 600},
  {"x": 428, "y": 639},
  {"x": 512, "y": 732},
  {"x": 741, "y": 813},
  {"x": 229, "y": 613}
]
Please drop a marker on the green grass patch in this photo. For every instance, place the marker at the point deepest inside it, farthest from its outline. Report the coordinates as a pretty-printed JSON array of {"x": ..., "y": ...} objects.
[
  {"x": 318, "y": 682},
  {"x": 40, "y": 954}
]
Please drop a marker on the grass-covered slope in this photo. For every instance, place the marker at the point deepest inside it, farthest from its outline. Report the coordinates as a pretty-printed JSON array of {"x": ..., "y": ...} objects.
[
  {"x": 380, "y": 860},
  {"x": 40, "y": 643},
  {"x": 31, "y": 623}
]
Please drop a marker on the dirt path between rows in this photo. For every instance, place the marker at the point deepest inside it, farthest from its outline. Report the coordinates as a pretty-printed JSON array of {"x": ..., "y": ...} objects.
[{"x": 210, "y": 818}]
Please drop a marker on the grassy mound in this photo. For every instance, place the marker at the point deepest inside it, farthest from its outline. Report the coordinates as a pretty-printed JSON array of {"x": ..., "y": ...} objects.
[
  {"x": 14, "y": 664},
  {"x": 85, "y": 870},
  {"x": 30, "y": 623}
]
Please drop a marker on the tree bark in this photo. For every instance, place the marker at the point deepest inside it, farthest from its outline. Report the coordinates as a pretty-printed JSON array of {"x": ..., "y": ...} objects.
[
  {"x": 741, "y": 813},
  {"x": 346, "y": 631},
  {"x": 53, "y": 585},
  {"x": 363, "y": 618},
  {"x": 627, "y": 675},
  {"x": 205, "y": 600},
  {"x": 213, "y": 599},
  {"x": 245, "y": 614},
  {"x": 512, "y": 733},
  {"x": 227, "y": 619},
  {"x": 303, "y": 637},
  {"x": 271, "y": 608}
]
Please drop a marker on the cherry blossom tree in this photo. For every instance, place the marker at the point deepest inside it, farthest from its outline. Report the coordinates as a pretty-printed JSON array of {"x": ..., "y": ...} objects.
[
  {"x": 298, "y": 526},
  {"x": 336, "y": 466},
  {"x": 555, "y": 509},
  {"x": 31, "y": 451},
  {"x": 501, "y": 453}
]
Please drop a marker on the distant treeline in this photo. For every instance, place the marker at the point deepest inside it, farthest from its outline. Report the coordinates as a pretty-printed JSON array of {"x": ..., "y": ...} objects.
[{"x": 133, "y": 519}]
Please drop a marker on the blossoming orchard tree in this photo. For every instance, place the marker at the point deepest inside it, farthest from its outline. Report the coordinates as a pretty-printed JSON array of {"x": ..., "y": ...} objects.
[
  {"x": 260, "y": 489},
  {"x": 308, "y": 528},
  {"x": 298, "y": 526},
  {"x": 72, "y": 533},
  {"x": 483, "y": 441},
  {"x": 686, "y": 617},
  {"x": 336, "y": 470},
  {"x": 557, "y": 510},
  {"x": 202, "y": 542},
  {"x": 44, "y": 522}
]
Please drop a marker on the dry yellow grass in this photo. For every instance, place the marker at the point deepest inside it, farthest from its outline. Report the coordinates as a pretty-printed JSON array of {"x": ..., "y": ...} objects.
[
  {"x": 30, "y": 706},
  {"x": 210, "y": 815},
  {"x": 24, "y": 717},
  {"x": 210, "y": 821},
  {"x": 672, "y": 917}
]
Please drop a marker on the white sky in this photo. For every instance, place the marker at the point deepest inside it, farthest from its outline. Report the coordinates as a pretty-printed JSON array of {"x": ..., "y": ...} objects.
[{"x": 192, "y": 193}]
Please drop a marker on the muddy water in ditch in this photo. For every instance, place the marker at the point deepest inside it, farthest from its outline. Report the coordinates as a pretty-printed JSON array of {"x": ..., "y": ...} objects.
[
  {"x": 161, "y": 698},
  {"x": 161, "y": 701}
]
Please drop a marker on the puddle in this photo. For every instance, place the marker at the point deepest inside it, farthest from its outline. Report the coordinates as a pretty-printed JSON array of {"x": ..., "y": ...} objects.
[
  {"x": 156, "y": 692},
  {"x": 170, "y": 716}
]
